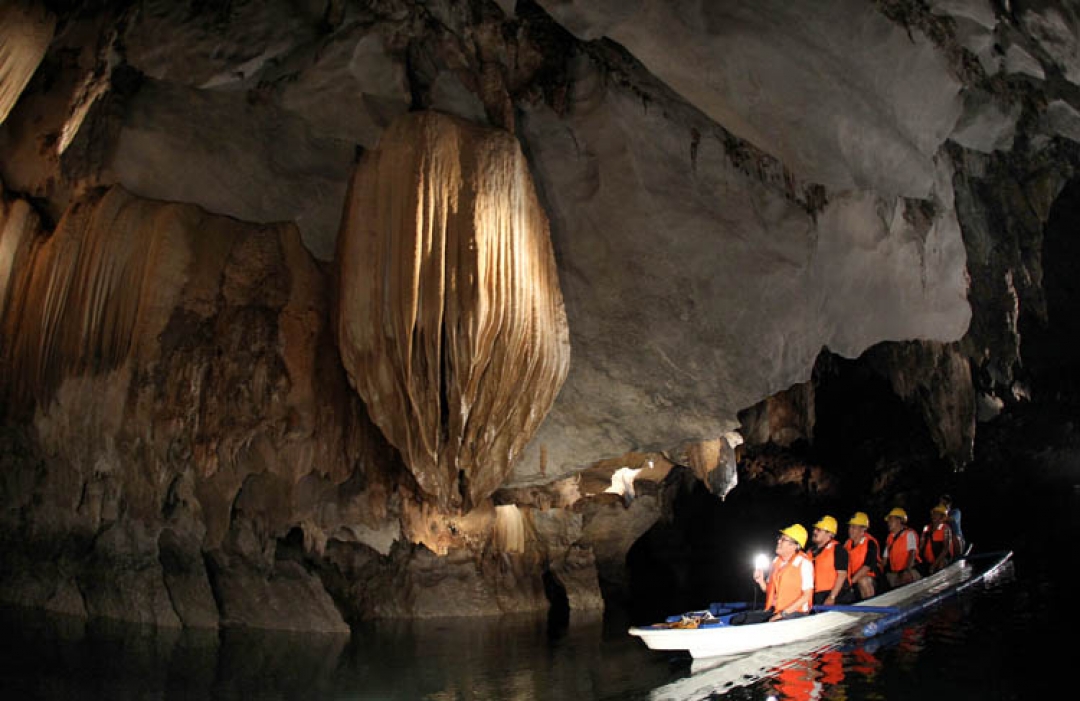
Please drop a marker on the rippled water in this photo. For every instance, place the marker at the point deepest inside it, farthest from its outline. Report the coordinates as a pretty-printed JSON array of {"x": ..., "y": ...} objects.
[{"x": 990, "y": 642}]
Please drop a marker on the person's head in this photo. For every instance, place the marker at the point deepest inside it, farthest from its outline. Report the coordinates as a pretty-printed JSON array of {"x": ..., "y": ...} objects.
[
  {"x": 791, "y": 540},
  {"x": 896, "y": 519},
  {"x": 946, "y": 501},
  {"x": 858, "y": 524},
  {"x": 824, "y": 531},
  {"x": 938, "y": 513}
]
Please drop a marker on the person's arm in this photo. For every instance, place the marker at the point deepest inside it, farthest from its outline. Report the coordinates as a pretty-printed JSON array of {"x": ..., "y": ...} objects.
[
  {"x": 796, "y": 606},
  {"x": 803, "y": 601},
  {"x": 913, "y": 550},
  {"x": 759, "y": 578},
  {"x": 869, "y": 564},
  {"x": 840, "y": 562},
  {"x": 948, "y": 551}
]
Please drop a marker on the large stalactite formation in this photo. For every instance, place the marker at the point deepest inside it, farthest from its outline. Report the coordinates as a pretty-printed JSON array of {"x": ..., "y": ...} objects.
[{"x": 451, "y": 321}]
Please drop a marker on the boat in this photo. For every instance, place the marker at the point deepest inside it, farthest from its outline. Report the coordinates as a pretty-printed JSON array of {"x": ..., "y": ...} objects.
[{"x": 709, "y": 633}]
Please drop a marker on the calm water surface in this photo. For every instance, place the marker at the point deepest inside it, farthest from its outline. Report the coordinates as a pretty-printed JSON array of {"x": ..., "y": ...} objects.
[{"x": 990, "y": 642}]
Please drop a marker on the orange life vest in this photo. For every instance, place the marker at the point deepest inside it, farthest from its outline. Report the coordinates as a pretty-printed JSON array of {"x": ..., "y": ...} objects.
[
  {"x": 897, "y": 558},
  {"x": 857, "y": 555},
  {"x": 785, "y": 584},
  {"x": 936, "y": 540},
  {"x": 825, "y": 573}
]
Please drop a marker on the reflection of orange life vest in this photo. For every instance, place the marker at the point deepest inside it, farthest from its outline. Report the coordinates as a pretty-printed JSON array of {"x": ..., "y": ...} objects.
[
  {"x": 825, "y": 568},
  {"x": 797, "y": 683},
  {"x": 785, "y": 584},
  {"x": 831, "y": 667},
  {"x": 857, "y": 555},
  {"x": 936, "y": 541},
  {"x": 897, "y": 557}
]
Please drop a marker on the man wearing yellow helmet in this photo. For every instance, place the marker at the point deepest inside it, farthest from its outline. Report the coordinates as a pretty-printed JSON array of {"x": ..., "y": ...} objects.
[
  {"x": 901, "y": 550},
  {"x": 937, "y": 544},
  {"x": 790, "y": 584},
  {"x": 864, "y": 555},
  {"x": 830, "y": 564}
]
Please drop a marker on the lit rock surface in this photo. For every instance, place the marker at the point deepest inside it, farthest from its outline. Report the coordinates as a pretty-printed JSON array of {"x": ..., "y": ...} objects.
[
  {"x": 25, "y": 33},
  {"x": 165, "y": 363},
  {"x": 750, "y": 287},
  {"x": 728, "y": 192},
  {"x": 866, "y": 103},
  {"x": 450, "y": 323}
]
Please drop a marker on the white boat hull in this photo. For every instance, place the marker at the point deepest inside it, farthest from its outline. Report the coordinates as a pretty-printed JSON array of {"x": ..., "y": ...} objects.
[{"x": 726, "y": 640}]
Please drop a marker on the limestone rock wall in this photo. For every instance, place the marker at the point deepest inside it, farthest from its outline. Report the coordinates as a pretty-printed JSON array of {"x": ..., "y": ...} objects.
[
  {"x": 181, "y": 445},
  {"x": 161, "y": 368},
  {"x": 729, "y": 189},
  {"x": 25, "y": 32}
]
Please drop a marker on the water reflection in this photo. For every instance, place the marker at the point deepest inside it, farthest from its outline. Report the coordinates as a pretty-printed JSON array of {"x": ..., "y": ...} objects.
[
  {"x": 941, "y": 655},
  {"x": 504, "y": 658}
]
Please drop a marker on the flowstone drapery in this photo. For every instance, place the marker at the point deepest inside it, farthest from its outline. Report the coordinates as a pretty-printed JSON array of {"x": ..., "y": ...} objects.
[{"x": 451, "y": 321}]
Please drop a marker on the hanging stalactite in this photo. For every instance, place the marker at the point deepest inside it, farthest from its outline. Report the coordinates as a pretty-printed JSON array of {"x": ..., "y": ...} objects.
[{"x": 451, "y": 321}]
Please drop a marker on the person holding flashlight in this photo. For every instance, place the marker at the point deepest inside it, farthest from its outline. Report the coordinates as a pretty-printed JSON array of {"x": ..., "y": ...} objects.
[{"x": 790, "y": 584}]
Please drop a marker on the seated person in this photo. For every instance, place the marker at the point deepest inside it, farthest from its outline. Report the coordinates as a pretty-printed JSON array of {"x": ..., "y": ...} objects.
[
  {"x": 864, "y": 556},
  {"x": 790, "y": 584},
  {"x": 830, "y": 565}
]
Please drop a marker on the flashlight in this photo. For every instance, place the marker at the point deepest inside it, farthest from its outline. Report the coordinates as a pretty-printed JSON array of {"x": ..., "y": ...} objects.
[{"x": 761, "y": 562}]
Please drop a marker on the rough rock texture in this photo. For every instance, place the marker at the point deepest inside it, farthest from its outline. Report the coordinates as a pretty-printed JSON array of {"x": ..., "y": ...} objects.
[
  {"x": 733, "y": 191},
  {"x": 675, "y": 345},
  {"x": 450, "y": 318},
  {"x": 184, "y": 448},
  {"x": 25, "y": 33},
  {"x": 159, "y": 356},
  {"x": 867, "y": 104}
]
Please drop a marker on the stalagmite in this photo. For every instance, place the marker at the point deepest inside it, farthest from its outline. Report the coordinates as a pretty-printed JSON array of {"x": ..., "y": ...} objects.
[{"x": 450, "y": 321}]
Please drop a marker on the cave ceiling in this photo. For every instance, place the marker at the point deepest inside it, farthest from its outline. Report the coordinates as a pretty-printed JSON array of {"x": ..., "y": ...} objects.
[{"x": 728, "y": 187}]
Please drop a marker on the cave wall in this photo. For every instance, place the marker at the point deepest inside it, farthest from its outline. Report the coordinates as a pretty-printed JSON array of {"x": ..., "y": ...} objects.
[{"x": 719, "y": 192}]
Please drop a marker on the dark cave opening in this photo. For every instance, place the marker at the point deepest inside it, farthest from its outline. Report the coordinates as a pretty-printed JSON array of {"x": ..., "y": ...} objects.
[
  {"x": 559, "y": 610},
  {"x": 870, "y": 451},
  {"x": 877, "y": 444},
  {"x": 1048, "y": 346}
]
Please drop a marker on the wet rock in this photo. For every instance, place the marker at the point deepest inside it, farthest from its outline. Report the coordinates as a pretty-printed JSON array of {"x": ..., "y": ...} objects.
[{"x": 285, "y": 597}]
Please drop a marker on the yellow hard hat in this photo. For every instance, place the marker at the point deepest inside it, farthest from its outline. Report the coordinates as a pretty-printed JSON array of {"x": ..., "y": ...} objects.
[
  {"x": 797, "y": 533},
  {"x": 898, "y": 512},
  {"x": 860, "y": 519},
  {"x": 941, "y": 509},
  {"x": 827, "y": 523}
]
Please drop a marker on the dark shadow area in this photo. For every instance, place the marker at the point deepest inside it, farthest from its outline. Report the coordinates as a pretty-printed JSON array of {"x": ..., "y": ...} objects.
[
  {"x": 559, "y": 611},
  {"x": 870, "y": 438},
  {"x": 1049, "y": 346}
]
